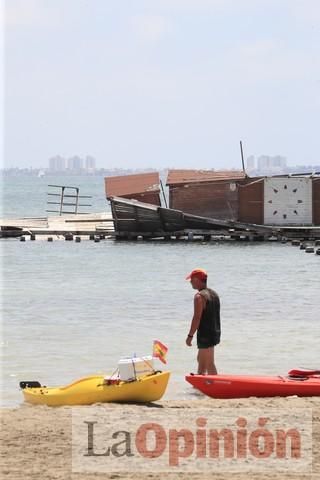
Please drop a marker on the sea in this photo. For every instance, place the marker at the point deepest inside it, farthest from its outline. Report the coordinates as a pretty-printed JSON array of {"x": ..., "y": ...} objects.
[{"x": 74, "y": 309}]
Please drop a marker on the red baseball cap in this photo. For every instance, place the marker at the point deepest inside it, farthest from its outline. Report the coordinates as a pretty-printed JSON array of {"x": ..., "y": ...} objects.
[{"x": 198, "y": 272}]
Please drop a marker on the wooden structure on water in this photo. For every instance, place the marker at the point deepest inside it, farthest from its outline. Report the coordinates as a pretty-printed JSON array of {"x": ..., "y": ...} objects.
[
  {"x": 230, "y": 195},
  {"x": 133, "y": 219},
  {"x": 244, "y": 208}
]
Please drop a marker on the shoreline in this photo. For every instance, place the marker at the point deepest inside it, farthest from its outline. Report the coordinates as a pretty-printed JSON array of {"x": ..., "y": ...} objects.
[{"x": 38, "y": 440}]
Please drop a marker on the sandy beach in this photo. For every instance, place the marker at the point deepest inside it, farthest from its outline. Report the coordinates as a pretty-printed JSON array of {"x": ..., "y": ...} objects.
[{"x": 37, "y": 441}]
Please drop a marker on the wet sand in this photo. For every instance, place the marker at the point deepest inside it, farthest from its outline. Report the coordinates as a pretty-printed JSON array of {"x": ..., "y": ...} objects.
[{"x": 36, "y": 441}]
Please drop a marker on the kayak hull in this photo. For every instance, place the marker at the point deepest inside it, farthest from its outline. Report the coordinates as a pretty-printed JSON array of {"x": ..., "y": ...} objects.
[
  {"x": 243, "y": 386},
  {"x": 94, "y": 389}
]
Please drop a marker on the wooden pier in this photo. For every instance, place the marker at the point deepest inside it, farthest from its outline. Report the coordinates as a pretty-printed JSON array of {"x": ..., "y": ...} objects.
[
  {"x": 82, "y": 225},
  {"x": 132, "y": 220}
]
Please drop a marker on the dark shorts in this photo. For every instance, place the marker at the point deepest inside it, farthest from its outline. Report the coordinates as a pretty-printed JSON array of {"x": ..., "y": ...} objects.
[{"x": 203, "y": 342}]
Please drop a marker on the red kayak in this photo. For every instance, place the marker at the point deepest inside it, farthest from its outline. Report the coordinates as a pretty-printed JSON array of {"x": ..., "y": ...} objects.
[{"x": 303, "y": 383}]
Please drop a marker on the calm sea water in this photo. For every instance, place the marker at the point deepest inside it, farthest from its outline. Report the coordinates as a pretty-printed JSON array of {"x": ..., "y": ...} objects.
[
  {"x": 70, "y": 310},
  {"x": 26, "y": 196}
]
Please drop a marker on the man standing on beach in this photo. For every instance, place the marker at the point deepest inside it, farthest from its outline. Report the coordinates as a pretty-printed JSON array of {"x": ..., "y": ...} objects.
[{"x": 205, "y": 321}]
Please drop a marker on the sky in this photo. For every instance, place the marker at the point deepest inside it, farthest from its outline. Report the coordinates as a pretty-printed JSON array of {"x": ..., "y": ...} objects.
[{"x": 160, "y": 83}]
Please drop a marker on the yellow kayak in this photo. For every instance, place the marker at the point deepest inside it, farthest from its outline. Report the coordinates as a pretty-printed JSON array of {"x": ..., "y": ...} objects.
[{"x": 96, "y": 389}]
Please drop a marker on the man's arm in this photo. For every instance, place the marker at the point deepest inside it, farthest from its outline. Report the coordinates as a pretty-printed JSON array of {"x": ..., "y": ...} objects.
[{"x": 198, "y": 309}]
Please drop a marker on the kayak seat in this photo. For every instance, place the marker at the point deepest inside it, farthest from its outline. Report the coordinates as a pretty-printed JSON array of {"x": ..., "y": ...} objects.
[
  {"x": 30, "y": 384},
  {"x": 298, "y": 378}
]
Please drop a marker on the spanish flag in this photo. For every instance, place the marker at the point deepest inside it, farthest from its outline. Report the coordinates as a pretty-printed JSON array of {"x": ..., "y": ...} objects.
[{"x": 159, "y": 351}]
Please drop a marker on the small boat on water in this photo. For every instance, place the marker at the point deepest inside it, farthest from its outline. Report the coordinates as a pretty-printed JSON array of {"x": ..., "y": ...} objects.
[
  {"x": 300, "y": 382},
  {"x": 98, "y": 389}
]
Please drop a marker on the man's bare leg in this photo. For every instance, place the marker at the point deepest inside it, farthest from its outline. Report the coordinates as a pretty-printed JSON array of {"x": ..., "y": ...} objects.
[
  {"x": 211, "y": 368},
  {"x": 206, "y": 364},
  {"x": 202, "y": 362}
]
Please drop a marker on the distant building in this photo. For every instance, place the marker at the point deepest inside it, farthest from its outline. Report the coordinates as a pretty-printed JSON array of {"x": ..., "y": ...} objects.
[
  {"x": 57, "y": 163},
  {"x": 268, "y": 164},
  {"x": 251, "y": 164},
  {"x": 90, "y": 163},
  {"x": 279, "y": 161},
  {"x": 75, "y": 163},
  {"x": 263, "y": 162}
]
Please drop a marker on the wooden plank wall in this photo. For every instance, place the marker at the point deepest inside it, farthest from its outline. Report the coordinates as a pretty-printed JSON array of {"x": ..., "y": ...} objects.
[
  {"x": 214, "y": 200},
  {"x": 251, "y": 202},
  {"x": 134, "y": 218},
  {"x": 146, "y": 197}
]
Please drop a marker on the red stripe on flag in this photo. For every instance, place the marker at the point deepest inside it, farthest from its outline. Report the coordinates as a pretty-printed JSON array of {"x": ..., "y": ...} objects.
[{"x": 159, "y": 350}]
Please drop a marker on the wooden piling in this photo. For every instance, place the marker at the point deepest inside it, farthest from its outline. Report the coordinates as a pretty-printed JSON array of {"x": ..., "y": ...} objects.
[{"x": 190, "y": 236}]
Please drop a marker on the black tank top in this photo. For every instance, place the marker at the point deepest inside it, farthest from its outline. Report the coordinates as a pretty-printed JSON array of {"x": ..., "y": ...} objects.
[{"x": 209, "y": 326}]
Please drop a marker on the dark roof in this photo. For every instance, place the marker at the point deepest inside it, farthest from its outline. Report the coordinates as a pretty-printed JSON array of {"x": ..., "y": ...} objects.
[
  {"x": 132, "y": 184},
  {"x": 176, "y": 177}
]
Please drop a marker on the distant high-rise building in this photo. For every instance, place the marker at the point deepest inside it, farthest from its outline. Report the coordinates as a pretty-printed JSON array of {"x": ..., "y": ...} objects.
[
  {"x": 270, "y": 164},
  {"x": 250, "y": 163},
  {"x": 90, "y": 163},
  {"x": 75, "y": 163},
  {"x": 263, "y": 162},
  {"x": 57, "y": 163},
  {"x": 279, "y": 161}
]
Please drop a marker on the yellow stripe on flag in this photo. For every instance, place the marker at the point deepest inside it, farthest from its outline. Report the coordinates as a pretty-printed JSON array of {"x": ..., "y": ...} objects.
[{"x": 160, "y": 351}]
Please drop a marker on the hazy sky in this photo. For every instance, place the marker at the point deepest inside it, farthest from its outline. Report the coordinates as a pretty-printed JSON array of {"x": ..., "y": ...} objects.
[{"x": 157, "y": 83}]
